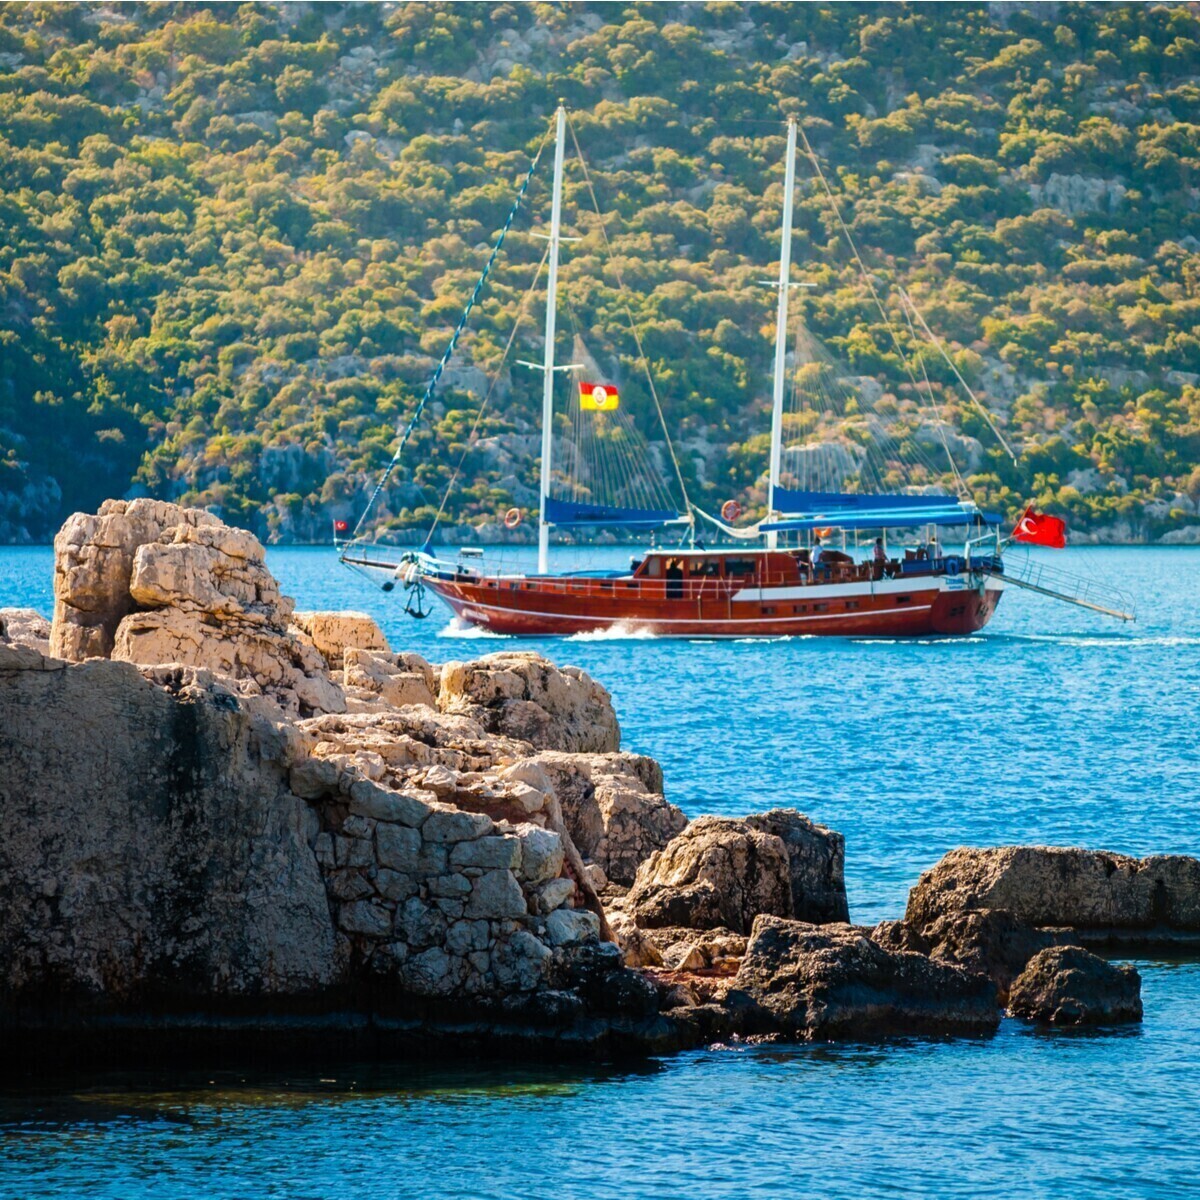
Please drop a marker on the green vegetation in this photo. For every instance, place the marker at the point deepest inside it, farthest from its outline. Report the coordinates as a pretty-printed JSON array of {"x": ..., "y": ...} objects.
[{"x": 234, "y": 237}]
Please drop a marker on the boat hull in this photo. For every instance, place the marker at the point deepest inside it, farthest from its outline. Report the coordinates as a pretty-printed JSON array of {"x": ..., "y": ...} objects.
[{"x": 559, "y": 606}]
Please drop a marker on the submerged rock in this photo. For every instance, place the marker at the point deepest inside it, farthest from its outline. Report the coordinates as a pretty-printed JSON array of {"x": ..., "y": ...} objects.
[
  {"x": 1066, "y": 985},
  {"x": 831, "y": 981}
]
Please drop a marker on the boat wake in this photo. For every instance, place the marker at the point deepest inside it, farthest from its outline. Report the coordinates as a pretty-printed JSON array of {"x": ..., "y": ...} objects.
[
  {"x": 622, "y": 631},
  {"x": 1097, "y": 639},
  {"x": 465, "y": 631}
]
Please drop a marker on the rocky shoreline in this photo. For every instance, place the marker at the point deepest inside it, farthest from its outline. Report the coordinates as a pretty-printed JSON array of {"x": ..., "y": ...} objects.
[{"x": 231, "y": 827}]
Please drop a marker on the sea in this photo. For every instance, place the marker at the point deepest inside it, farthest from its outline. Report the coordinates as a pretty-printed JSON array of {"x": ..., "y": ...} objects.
[{"x": 1052, "y": 726}]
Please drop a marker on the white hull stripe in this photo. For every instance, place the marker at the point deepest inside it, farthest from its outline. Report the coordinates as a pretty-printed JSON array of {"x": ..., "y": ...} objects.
[{"x": 470, "y": 605}]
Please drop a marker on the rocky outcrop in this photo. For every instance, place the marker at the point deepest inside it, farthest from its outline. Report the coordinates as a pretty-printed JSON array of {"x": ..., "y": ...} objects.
[
  {"x": 169, "y": 840},
  {"x": 377, "y": 678},
  {"x": 521, "y": 695},
  {"x": 148, "y": 582},
  {"x": 333, "y": 633},
  {"x": 25, "y": 627},
  {"x": 991, "y": 942},
  {"x": 151, "y": 848},
  {"x": 722, "y": 872},
  {"x": 831, "y": 981},
  {"x": 1065, "y": 985},
  {"x": 614, "y": 806},
  {"x": 1098, "y": 895}
]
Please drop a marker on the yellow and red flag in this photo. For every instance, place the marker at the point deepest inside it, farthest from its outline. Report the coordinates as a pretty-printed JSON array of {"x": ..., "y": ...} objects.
[{"x": 598, "y": 397}]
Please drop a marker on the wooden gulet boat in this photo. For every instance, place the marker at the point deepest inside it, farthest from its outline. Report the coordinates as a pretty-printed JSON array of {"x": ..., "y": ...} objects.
[{"x": 787, "y": 583}]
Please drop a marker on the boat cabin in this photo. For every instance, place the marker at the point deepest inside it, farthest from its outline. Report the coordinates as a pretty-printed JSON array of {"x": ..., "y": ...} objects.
[{"x": 762, "y": 568}]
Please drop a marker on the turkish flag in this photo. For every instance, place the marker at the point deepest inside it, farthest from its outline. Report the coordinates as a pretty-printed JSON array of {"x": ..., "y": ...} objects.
[
  {"x": 1040, "y": 529},
  {"x": 341, "y": 526}
]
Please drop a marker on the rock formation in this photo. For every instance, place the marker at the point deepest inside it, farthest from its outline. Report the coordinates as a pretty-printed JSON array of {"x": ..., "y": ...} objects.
[
  {"x": 827, "y": 981},
  {"x": 1065, "y": 985},
  {"x": 221, "y": 815},
  {"x": 722, "y": 872},
  {"x": 521, "y": 695},
  {"x": 25, "y": 627},
  {"x": 1098, "y": 895}
]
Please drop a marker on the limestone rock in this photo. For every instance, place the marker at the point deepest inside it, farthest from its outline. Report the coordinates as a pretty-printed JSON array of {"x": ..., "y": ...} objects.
[
  {"x": 989, "y": 941},
  {"x": 398, "y": 679},
  {"x": 1085, "y": 890},
  {"x": 149, "y": 843},
  {"x": 722, "y": 871},
  {"x": 25, "y": 627},
  {"x": 150, "y": 583},
  {"x": 93, "y": 562},
  {"x": 525, "y": 696},
  {"x": 614, "y": 807},
  {"x": 333, "y": 633},
  {"x": 1066, "y": 985},
  {"x": 831, "y": 981},
  {"x": 718, "y": 872},
  {"x": 816, "y": 860}
]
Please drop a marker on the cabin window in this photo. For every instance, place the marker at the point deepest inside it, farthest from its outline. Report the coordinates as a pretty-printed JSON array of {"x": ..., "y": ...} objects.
[
  {"x": 958, "y": 611},
  {"x": 769, "y": 610},
  {"x": 739, "y": 567},
  {"x": 903, "y": 599},
  {"x": 654, "y": 567},
  {"x": 700, "y": 566},
  {"x": 820, "y": 608},
  {"x": 851, "y": 604},
  {"x": 604, "y": 583},
  {"x": 799, "y": 608}
]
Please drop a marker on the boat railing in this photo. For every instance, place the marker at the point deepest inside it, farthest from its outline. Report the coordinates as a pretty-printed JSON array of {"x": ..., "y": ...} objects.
[{"x": 1036, "y": 575}]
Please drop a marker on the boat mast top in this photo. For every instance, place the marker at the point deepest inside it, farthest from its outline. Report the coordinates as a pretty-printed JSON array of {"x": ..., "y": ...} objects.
[
  {"x": 785, "y": 265},
  {"x": 560, "y": 124}
]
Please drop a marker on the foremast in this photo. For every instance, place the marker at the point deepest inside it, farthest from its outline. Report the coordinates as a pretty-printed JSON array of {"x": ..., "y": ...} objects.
[{"x": 560, "y": 125}]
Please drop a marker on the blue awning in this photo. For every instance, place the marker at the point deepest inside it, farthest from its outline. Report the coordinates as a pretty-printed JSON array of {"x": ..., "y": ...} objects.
[
  {"x": 569, "y": 512},
  {"x": 789, "y": 501},
  {"x": 884, "y": 518}
]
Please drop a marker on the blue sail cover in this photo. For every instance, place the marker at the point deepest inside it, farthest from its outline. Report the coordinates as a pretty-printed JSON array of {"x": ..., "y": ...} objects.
[
  {"x": 789, "y": 501},
  {"x": 570, "y": 512},
  {"x": 886, "y": 518}
]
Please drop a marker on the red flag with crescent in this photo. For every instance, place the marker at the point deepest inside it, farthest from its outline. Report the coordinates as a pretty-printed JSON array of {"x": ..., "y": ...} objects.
[{"x": 1040, "y": 529}]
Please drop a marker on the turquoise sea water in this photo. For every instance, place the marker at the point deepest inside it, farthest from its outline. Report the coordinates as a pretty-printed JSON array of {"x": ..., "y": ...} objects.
[{"x": 1051, "y": 726}]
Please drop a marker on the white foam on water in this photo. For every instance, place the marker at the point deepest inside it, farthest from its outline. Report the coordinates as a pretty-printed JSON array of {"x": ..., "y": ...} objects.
[
  {"x": 622, "y": 631},
  {"x": 465, "y": 631}
]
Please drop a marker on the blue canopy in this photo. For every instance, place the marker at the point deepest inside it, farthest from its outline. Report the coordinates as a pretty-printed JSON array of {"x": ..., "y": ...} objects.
[
  {"x": 789, "y": 501},
  {"x": 880, "y": 518},
  {"x": 569, "y": 512}
]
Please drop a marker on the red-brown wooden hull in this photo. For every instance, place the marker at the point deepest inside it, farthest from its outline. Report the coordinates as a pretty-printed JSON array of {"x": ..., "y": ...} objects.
[{"x": 562, "y": 605}]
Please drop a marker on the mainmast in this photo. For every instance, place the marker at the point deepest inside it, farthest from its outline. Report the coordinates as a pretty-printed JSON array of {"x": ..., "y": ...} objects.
[
  {"x": 560, "y": 125},
  {"x": 785, "y": 268}
]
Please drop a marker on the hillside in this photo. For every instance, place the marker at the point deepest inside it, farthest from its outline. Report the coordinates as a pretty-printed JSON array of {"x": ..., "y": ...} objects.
[{"x": 235, "y": 237}]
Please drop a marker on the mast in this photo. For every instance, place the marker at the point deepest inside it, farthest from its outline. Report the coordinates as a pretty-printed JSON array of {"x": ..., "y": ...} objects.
[
  {"x": 785, "y": 268},
  {"x": 560, "y": 124}
]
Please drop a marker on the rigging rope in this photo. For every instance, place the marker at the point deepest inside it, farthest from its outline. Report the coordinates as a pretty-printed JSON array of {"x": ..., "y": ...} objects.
[
  {"x": 537, "y": 275},
  {"x": 879, "y": 303},
  {"x": 867, "y": 278},
  {"x": 983, "y": 412},
  {"x": 587, "y": 178},
  {"x": 462, "y": 321}
]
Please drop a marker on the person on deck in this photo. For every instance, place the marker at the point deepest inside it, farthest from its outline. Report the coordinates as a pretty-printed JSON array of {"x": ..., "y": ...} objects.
[
  {"x": 878, "y": 559},
  {"x": 935, "y": 551},
  {"x": 816, "y": 555}
]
